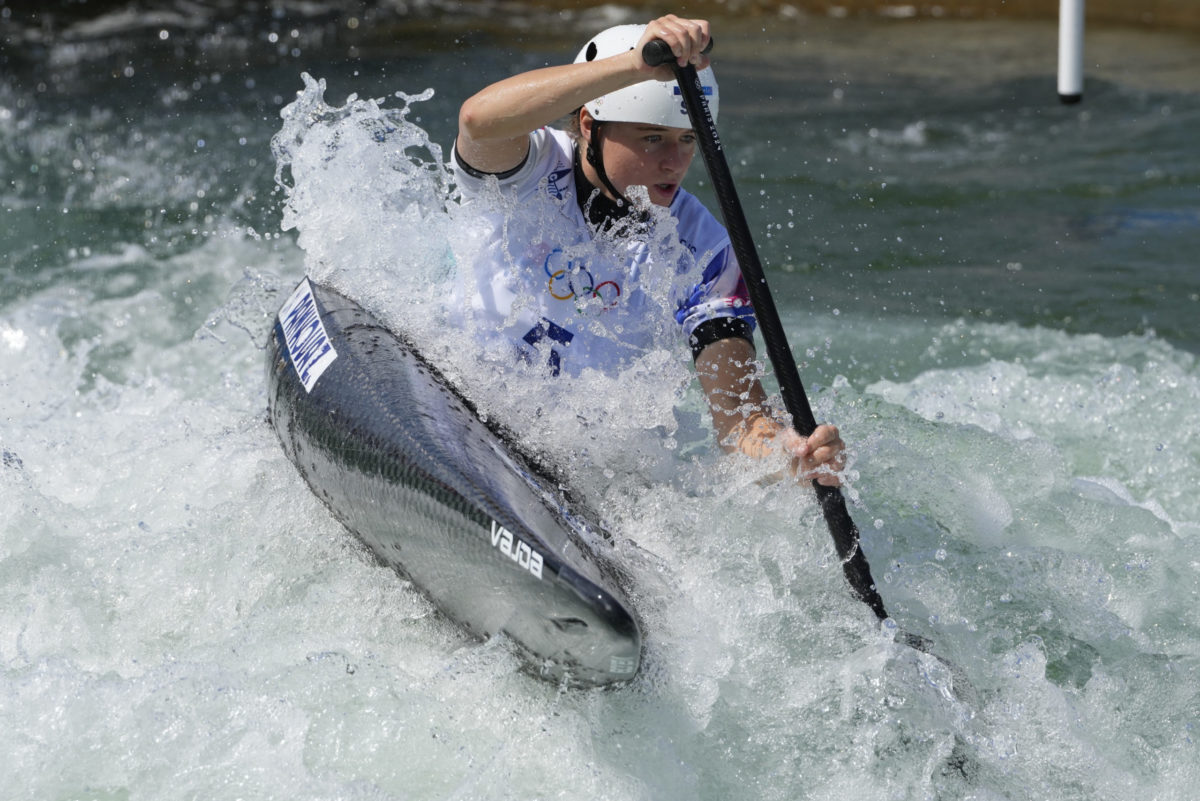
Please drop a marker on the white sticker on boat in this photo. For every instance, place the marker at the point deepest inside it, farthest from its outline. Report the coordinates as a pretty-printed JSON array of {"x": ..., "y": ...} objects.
[
  {"x": 514, "y": 549},
  {"x": 623, "y": 665},
  {"x": 305, "y": 336}
]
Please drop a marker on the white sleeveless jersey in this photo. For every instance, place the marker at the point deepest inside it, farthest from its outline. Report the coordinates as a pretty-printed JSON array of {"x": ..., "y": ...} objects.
[{"x": 569, "y": 297}]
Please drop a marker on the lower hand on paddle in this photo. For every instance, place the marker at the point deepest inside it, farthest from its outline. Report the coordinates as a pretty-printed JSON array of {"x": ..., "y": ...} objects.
[{"x": 820, "y": 457}]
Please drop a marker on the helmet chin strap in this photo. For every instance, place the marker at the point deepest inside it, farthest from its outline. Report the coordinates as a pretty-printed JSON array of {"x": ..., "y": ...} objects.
[{"x": 593, "y": 157}]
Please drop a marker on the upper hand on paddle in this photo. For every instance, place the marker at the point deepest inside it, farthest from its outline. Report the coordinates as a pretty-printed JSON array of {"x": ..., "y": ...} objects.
[{"x": 687, "y": 39}]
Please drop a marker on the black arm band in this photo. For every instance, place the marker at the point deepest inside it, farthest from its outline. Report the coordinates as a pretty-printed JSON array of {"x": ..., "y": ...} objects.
[
  {"x": 474, "y": 173},
  {"x": 719, "y": 328}
]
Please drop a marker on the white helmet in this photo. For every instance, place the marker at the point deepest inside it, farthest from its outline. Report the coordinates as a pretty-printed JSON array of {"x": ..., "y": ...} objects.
[{"x": 650, "y": 102}]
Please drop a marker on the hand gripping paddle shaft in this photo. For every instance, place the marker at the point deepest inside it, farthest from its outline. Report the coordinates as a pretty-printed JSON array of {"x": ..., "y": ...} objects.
[{"x": 833, "y": 504}]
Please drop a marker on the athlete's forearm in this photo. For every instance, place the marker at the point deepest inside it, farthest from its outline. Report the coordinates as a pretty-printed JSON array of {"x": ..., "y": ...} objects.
[
  {"x": 513, "y": 107},
  {"x": 728, "y": 376},
  {"x": 743, "y": 421},
  {"x": 493, "y": 126}
]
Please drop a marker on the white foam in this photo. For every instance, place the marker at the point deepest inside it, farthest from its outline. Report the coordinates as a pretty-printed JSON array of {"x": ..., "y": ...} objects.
[{"x": 182, "y": 617}]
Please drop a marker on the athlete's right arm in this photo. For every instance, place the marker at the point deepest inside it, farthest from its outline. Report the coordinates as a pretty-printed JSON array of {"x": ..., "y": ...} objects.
[{"x": 494, "y": 125}]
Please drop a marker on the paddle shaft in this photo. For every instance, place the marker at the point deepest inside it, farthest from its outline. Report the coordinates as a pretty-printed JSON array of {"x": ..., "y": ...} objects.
[{"x": 795, "y": 400}]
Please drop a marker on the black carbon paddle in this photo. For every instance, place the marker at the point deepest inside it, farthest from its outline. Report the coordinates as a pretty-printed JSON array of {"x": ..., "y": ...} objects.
[{"x": 795, "y": 400}]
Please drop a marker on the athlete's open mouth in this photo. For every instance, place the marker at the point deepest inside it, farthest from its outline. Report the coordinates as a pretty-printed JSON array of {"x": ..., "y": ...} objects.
[{"x": 666, "y": 190}]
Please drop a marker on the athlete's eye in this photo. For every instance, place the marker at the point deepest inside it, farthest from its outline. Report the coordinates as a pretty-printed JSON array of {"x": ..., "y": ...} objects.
[{"x": 652, "y": 139}]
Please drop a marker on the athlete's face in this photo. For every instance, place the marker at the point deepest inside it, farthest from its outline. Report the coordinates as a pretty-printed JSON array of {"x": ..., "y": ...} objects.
[{"x": 652, "y": 156}]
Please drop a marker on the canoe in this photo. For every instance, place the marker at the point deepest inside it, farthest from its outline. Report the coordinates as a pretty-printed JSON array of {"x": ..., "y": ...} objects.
[{"x": 489, "y": 535}]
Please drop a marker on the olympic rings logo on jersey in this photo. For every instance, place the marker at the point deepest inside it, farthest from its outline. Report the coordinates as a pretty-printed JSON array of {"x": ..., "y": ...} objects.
[{"x": 571, "y": 281}]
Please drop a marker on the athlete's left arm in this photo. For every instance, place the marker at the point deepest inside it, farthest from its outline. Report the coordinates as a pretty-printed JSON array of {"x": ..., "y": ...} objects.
[{"x": 728, "y": 374}]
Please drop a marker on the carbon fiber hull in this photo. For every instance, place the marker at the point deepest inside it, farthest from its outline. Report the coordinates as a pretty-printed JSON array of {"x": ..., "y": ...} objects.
[{"x": 405, "y": 464}]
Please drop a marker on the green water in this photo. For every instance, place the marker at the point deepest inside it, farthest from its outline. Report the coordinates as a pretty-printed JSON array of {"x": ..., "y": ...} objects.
[{"x": 992, "y": 294}]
